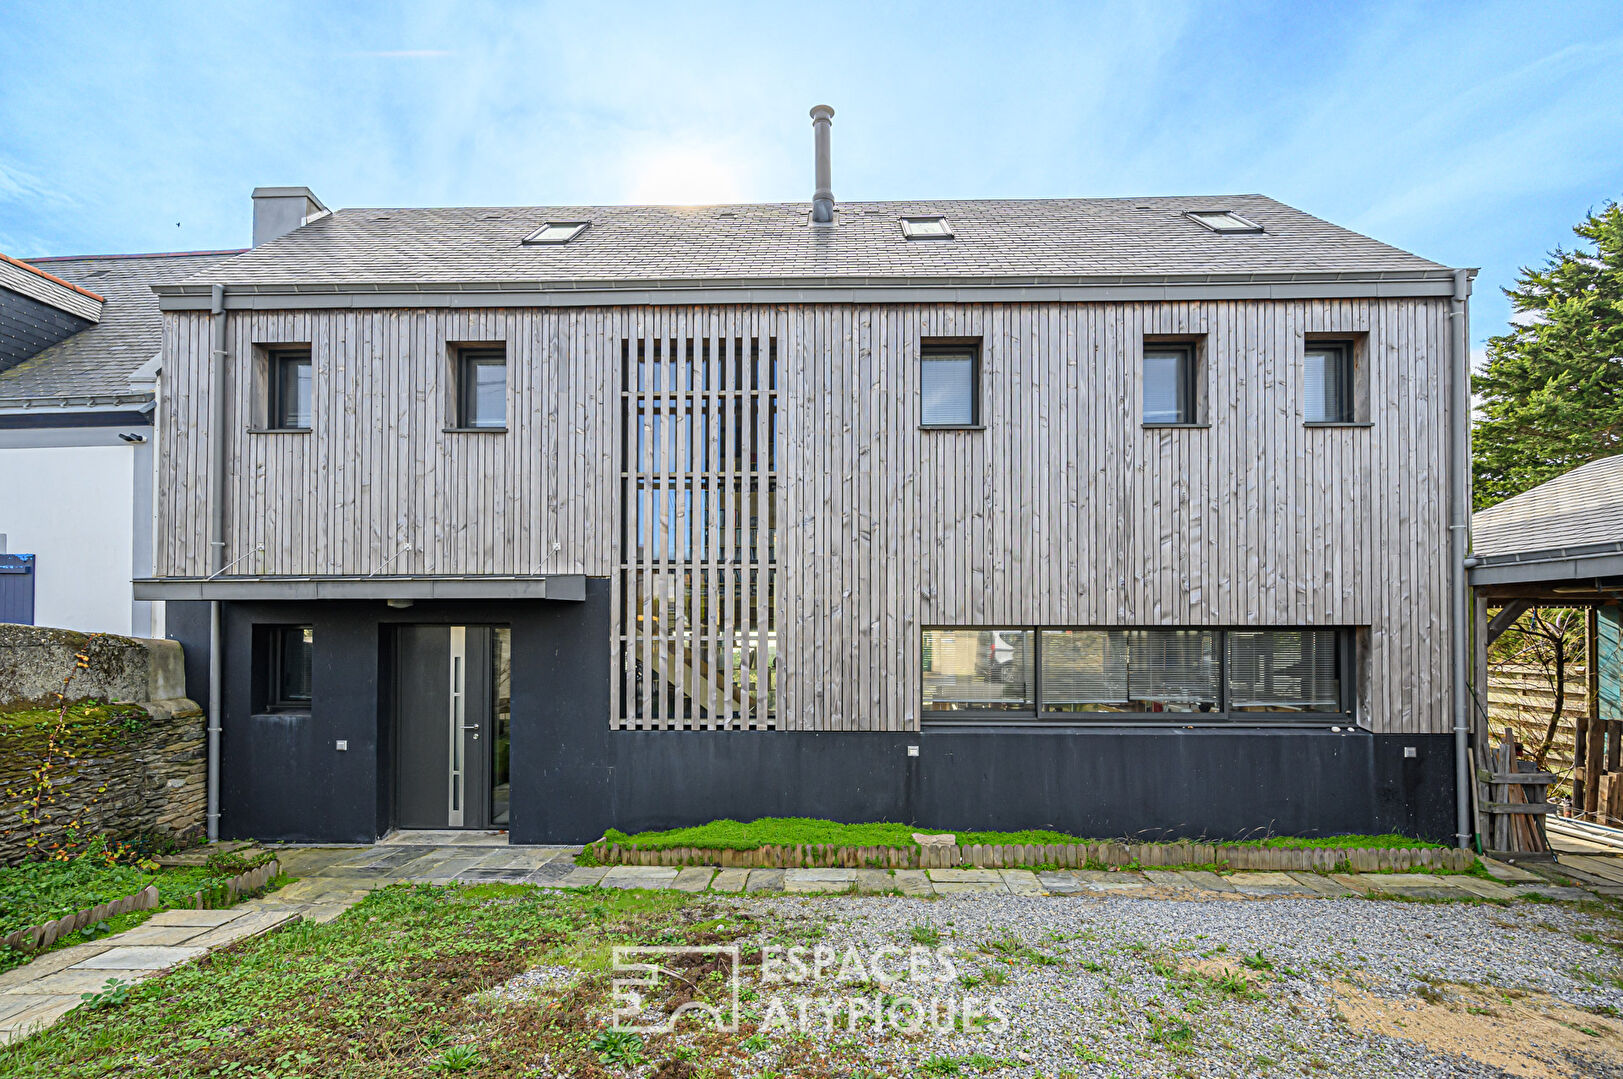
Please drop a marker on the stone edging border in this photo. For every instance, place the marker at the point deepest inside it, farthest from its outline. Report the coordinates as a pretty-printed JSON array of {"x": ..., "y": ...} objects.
[
  {"x": 1071, "y": 856},
  {"x": 251, "y": 881},
  {"x": 33, "y": 938}
]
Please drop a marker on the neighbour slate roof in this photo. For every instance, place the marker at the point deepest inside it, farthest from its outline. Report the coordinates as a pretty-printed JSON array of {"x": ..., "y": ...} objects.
[
  {"x": 98, "y": 360},
  {"x": 1005, "y": 239},
  {"x": 1582, "y": 508}
]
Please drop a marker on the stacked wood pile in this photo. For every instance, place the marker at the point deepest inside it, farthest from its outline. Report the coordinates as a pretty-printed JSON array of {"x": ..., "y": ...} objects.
[
  {"x": 1073, "y": 855},
  {"x": 1516, "y": 800}
]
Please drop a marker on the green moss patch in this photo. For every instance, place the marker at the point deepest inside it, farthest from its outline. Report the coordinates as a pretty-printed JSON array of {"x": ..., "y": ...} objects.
[{"x": 809, "y": 831}]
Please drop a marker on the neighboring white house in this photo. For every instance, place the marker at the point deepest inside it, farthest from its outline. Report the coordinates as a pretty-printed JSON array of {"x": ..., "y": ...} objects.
[{"x": 79, "y": 339}]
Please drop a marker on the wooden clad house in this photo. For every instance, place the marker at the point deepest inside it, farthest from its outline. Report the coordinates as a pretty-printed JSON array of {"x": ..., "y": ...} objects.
[{"x": 1121, "y": 516}]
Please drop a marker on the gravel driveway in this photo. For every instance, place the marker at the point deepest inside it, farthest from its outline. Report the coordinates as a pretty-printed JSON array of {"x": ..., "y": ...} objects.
[{"x": 1155, "y": 987}]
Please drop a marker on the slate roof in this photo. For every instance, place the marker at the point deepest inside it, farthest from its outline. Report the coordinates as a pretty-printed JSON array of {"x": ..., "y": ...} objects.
[
  {"x": 1005, "y": 239},
  {"x": 98, "y": 360},
  {"x": 1583, "y": 508}
]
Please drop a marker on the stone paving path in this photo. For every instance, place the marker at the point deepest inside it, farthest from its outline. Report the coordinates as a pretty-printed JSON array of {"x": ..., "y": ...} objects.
[
  {"x": 332, "y": 879},
  {"x": 1148, "y": 883}
]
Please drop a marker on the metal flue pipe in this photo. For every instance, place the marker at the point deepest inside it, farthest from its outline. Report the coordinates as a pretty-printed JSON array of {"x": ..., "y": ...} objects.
[{"x": 823, "y": 196}]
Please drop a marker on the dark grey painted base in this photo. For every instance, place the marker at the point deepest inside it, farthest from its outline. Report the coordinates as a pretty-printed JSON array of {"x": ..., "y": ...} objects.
[{"x": 573, "y": 777}]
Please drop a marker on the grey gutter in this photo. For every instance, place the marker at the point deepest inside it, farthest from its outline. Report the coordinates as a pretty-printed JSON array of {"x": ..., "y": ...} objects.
[
  {"x": 1381, "y": 284},
  {"x": 1597, "y": 560},
  {"x": 554, "y": 586},
  {"x": 99, "y": 402}
]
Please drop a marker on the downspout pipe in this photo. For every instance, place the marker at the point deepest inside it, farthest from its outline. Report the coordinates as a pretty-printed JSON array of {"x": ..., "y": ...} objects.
[
  {"x": 1459, "y": 475},
  {"x": 216, "y": 508}
]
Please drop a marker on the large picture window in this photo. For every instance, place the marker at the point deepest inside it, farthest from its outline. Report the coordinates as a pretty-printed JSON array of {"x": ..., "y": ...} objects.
[{"x": 1137, "y": 675}]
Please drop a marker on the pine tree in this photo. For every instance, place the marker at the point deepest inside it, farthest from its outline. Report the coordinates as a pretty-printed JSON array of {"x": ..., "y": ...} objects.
[{"x": 1551, "y": 396}]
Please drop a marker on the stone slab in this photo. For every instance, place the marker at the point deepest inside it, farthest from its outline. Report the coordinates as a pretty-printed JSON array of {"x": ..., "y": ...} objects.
[
  {"x": 139, "y": 957},
  {"x": 1058, "y": 882},
  {"x": 252, "y": 924},
  {"x": 765, "y": 880},
  {"x": 1487, "y": 889},
  {"x": 1206, "y": 880},
  {"x": 49, "y": 963},
  {"x": 1553, "y": 891},
  {"x": 76, "y": 980},
  {"x": 1170, "y": 879},
  {"x": 38, "y": 1017},
  {"x": 1321, "y": 885},
  {"x": 913, "y": 882},
  {"x": 1022, "y": 882},
  {"x": 965, "y": 876},
  {"x": 1099, "y": 880},
  {"x": 322, "y": 913},
  {"x": 16, "y": 1003},
  {"x": 584, "y": 876},
  {"x": 1509, "y": 874},
  {"x": 163, "y": 935},
  {"x": 970, "y": 887},
  {"x": 801, "y": 881},
  {"x": 639, "y": 876},
  {"x": 1266, "y": 884},
  {"x": 1358, "y": 882},
  {"x": 693, "y": 879},
  {"x": 729, "y": 880},
  {"x": 875, "y": 881},
  {"x": 206, "y": 918}
]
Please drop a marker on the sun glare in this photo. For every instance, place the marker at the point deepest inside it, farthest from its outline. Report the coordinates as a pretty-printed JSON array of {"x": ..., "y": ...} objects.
[{"x": 685, "y": 176}]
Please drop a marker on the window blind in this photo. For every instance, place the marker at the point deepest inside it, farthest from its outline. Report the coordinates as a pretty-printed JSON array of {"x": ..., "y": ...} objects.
[
  {"x": 1173, "y": 665},
  {"x": 1284, "y": 670},
  {"x": 1328, "y": 387},
  {"x": 947, "y": 386},
  {"x": 1087, "y": 666}
]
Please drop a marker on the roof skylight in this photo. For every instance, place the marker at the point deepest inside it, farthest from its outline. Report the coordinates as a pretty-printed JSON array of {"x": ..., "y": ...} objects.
[
  {"x": 556, "y": 232},
  {"x": 1223, "y": 221},
  {"x": 926, "y": 228}
]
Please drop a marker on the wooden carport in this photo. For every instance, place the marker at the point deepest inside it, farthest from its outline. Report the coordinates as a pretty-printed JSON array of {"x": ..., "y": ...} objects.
[{"x": 1561, "y": 545}]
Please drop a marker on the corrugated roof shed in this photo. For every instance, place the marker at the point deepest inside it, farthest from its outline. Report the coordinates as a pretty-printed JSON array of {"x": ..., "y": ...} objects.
[
  {"x": 1582, "y": 508},
  {"x": 98, "y": 360},
  {"x": 1013, "y": 239}
]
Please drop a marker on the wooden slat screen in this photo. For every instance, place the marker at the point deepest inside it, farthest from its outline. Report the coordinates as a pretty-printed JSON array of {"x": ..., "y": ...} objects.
[{"x": 698, "y": 567}]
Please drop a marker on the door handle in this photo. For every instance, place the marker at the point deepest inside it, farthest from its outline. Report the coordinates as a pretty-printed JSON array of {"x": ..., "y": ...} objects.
[{"x": 474, "y": 727}]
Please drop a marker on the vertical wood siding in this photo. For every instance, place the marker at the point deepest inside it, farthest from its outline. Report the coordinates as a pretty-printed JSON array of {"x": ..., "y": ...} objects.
[{"x": 1063, "y": 511}]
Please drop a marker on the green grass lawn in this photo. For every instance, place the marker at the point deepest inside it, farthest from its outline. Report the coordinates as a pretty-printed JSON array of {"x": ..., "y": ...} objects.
[
  {"x": 791, "y": 831},
  {"x": 391, "y": 988},
  {"x": 36, "y": 892}
]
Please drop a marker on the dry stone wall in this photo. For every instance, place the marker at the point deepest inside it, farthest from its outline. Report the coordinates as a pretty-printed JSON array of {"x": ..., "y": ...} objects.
[{"x": 125, "y": 770}]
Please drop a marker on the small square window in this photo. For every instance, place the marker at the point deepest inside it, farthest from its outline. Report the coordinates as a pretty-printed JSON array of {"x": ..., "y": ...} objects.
[
  {"x": 949, "y": 386},
  {"x": 288, "y": 385},
  {"x": 556, "y": 232},
  {"x": 482, "y": 388},
  {"x": 290, "y": 659},
  {"x": 1170, "y": 394},
  {"x": 1327, "y": 373},
  {"x": 926, "y": 228},
  {"x": 1223, "y": 221}
]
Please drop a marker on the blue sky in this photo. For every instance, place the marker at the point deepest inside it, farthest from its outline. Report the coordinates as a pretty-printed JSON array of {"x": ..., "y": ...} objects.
[{"x": 1473, "y": 134}]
